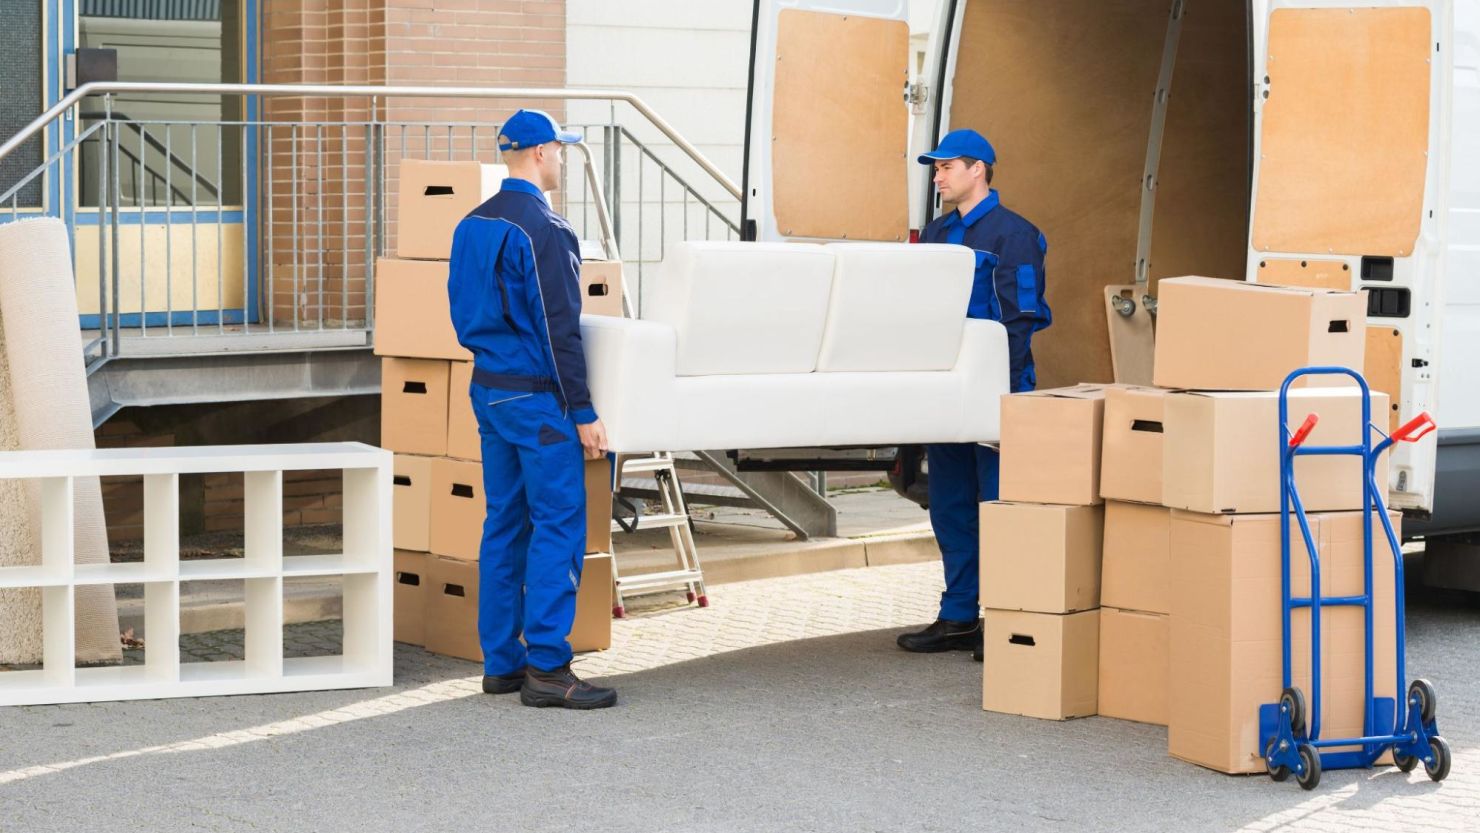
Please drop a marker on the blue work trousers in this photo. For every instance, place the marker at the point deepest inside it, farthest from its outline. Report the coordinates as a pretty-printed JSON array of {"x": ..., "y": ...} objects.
[
  {"x": 962, "y": 475},
  {"x": 534, "y": 536}
]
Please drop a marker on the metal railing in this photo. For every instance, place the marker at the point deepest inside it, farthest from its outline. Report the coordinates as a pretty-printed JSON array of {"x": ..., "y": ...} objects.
[{"x": 290, "y": 265}]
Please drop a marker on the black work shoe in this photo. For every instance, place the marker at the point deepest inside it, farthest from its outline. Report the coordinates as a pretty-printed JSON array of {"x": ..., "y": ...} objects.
[
  {"x": 978, "y": 653},
  {"x": 503, "y": 683},
  {"x": 563, "y": 688},
  {"x": 943, "y": 635}
]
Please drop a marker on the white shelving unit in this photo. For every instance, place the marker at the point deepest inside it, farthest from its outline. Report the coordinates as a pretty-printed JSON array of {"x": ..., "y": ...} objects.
[{"x": 364, "y": 565}]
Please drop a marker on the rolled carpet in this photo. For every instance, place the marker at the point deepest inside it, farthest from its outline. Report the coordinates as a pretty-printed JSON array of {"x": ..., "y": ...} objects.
[{"x": 48, "y": 393}]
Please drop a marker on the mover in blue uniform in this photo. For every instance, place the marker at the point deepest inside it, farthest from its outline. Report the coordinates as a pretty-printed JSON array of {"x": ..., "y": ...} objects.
[
  {"x": 514, "y": 285},
  {"x": 1008, "y": 288}
]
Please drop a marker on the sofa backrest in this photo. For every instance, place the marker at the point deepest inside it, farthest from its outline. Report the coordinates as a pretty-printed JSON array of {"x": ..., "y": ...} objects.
[
  {"x": 743, "y": 308},
  {"x": 896, "y": 306}
]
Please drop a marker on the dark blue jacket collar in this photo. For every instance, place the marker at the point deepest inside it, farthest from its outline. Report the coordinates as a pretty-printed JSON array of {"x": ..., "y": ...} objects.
[
  {"x": 524, "y": 186},
  {"x": 981, "y": 210}
]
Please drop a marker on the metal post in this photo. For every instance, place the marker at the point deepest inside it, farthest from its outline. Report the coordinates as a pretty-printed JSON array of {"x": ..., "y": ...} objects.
[
  {"x": 194, "y": 236},
  {"x": 220, "y": 238},
  {"x": 293, "y": 222},
  {"x": 270, "y": 264},
  {"x": 102, "y": 250},
  {"x": 113, "y": 242},
  {"x": 344, "y": 226},
  {"x": 143, "y": 244},
  {"x": 169, "y": 229},
  {"x": 319, "y": 214}
]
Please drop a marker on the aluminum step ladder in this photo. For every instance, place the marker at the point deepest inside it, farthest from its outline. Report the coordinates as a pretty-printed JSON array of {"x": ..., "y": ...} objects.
[{"x": 688, "y": 576}]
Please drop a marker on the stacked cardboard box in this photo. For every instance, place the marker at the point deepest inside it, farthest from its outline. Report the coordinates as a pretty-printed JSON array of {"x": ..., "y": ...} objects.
[
  {"x": 1040, "y": 569},
  {"x": 427, "y": 420},
  {"x": 1229, "y": 346},
  {"x": 1187, "y": 568}
]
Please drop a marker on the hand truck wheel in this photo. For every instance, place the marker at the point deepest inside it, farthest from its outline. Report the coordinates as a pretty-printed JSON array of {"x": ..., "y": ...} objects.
[
  {"x": 1292, "y": 704},
  {"x": 1428, "y": 698},
  {"x": 1278, "y": 773},
  {"x": 1438, "y": 769},
  {"x": 1310, "y": 762},
  {"x": 1405, "y": 763}
]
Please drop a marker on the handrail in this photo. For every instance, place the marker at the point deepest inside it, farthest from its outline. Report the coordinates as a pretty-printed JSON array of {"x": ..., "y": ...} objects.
[{"x": 364, "y": 91}]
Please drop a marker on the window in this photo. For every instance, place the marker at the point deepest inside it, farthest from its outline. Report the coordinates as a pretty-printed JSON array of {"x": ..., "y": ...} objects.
[{"x": 172, "y": 150}]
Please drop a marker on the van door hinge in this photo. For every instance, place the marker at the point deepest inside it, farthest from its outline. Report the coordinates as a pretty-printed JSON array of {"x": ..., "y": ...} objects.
[{"x": 915, "y": 95}]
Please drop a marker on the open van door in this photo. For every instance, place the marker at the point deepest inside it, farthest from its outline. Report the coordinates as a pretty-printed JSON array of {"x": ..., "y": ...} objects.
[
  {"x": 827, "y": 121},
  {"x": 1351, "y": 161}
]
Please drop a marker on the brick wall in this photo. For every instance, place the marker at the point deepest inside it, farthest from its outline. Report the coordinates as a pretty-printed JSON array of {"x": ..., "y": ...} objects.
[{"x": 468, "y": 43}]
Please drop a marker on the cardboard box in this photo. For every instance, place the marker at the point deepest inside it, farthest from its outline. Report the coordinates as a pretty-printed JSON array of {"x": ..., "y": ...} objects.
[
  {"x": 1135, "y": 659},
  {"x": 411, "y": 502},
  {"x": 1040, "y": 557},
  {"x": 1226, "y": 634},
  {"x": 463, "y": 441},
  {"x": 592, "y": 629},
  {"x": 458, "y": 509},
  {"x": 452, "y": 609},
  {"x": 1041, "y": 664},
  {"x": 601, "y": 287},
  {"x": 434, "y": 197},
  {"x": 1051, "y": 445},
  {"x": 413, "y": 406},
  {"x": 1214, "y": 334},
  {"x": 1130, "y": 454},
  {"x": 1136, "y": 572},
  {"x": 410, "y": 597},
  {"x": 413, "y": 316},
  {"x": 598, "y": 505},
  {"x": 1222, "y": 450}
]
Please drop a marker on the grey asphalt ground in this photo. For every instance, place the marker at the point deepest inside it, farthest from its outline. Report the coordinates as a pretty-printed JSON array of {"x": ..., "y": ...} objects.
[{"x": 835, "y": 733}]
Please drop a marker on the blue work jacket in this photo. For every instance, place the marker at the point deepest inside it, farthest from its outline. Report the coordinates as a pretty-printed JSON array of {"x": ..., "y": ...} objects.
[
  {"x": 514, "y": 287},
  {"x": 1009, "y": 281}
]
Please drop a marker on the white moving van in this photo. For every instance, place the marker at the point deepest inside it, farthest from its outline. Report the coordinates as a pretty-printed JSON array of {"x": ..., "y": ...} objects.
[{"x": 1314, "y": 142}]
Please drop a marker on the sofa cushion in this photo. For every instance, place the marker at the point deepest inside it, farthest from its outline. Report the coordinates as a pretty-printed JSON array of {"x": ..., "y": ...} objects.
[
  {"x": 743, "y": 308},
  {"x": 896, "y": 306}
]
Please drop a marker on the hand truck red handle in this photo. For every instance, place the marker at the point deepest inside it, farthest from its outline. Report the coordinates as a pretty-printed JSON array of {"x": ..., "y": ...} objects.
[
  {"x": 1414, "y": 429},
  {"x": 1304, "y": 431}
]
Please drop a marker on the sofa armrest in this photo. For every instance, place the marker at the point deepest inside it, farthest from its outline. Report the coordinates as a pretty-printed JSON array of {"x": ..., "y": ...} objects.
[
  {"x": 630, "y": 369},
  {"x": 984, "y": 361}
]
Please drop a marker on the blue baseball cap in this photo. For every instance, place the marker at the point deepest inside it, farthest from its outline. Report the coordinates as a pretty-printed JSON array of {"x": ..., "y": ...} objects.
[
  {"x": 528, "y": 128},
  {"x": 959, "y": 143}
]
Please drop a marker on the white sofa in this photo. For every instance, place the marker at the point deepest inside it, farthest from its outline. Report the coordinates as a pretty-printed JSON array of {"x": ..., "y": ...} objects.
[{"x": 785, "y": 345}]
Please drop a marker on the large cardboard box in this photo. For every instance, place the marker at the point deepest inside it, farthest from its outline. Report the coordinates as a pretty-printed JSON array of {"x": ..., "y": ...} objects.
[
  {"x": 1214, "y": 334},
  {"x": 1041, "y": 664},
  {"x": 1051, "y": 445},
  {"x": 1136, "y": 572},
  {"x": 1040, "y": 557},
  {"x": 599, "y": 505},
  {"x": 1135, "y": 658},
  {"x": 1130, "y": 455},
  {"x": 413, "y": 316},
  {"x": 458, "y": 508},
  {"x": 601, "y": 287},
  {"x": 434, "y": 197},
  {"x": 411, "y": 502},
  {"x": 413, "y": 406},
  {"x": 592, "y": 629},
  {"x": 1222, "y": 450},
  {"x": 452, "y": 608},
  {"x": 410, "y": 597},
  {"x": 1226, "y": 635},
  {"x": 463, "y": 441}
]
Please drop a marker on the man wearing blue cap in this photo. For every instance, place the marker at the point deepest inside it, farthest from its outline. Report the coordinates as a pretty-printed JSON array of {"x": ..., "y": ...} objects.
[
  {"x": 1008, "y": 288},
  {"x": 514, "y": 287}
]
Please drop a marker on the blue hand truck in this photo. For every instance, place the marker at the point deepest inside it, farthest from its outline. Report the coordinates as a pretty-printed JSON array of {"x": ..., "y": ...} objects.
[{"x": 1290, "y": 731}]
